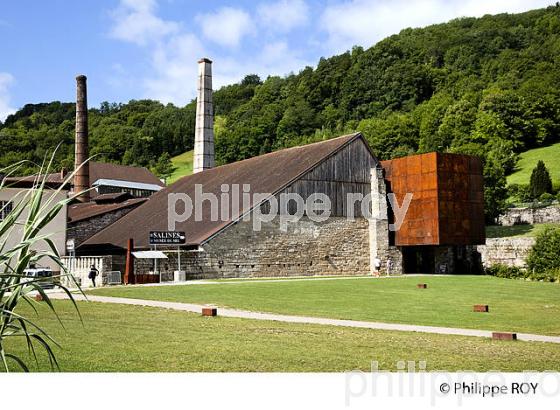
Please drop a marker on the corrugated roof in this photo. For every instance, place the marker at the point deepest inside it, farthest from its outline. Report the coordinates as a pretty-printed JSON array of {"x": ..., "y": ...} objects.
[
  {"x": 126, "y": 184},
  {"x": 97, "y": 171},
  {"x": 266, "y": 174},
  {"x": 101, "y": 170}
]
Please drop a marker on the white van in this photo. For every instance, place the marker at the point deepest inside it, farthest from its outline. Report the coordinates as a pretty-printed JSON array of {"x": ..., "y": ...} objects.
[{"x": 42, "y": 276}]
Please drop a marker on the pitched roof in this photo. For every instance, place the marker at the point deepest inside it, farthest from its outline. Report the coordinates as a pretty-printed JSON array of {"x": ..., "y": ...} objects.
[
  {"x": 53, "y": 180},
  {"x": 266, "y": 174},
  {"x": 97, "y": 171},
  {"x": 80, "y": 212},
  {"x": 102, "y": 170}
]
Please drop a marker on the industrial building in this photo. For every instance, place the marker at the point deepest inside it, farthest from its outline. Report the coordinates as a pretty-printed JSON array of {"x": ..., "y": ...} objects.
[{"x": 444, "y": 221}]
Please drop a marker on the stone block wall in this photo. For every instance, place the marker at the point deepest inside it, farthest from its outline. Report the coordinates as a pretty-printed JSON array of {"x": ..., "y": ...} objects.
[
  {"x": 338, "y": 246},
  {"x": 82, "y": 230},
  {"x": 518, "y": 216},
  {"x": 506, "y": 251}
]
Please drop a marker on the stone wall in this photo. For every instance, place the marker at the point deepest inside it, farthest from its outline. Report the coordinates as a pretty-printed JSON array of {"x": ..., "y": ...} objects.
[
  {"x": 506, "y": 251},
  {"x": 518, "y": 216},
  {"x": 338, "y": 246},
  {"x": 82, "y": 230},
  {"x": 379, "y": 228}
]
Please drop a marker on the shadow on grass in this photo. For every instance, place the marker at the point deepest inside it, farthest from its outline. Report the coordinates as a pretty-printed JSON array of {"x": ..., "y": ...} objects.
[{"x": 496, "y": 231}]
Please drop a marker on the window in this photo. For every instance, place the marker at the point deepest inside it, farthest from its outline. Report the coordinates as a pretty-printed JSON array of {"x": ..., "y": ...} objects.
[{"x": 5, "y": 209}]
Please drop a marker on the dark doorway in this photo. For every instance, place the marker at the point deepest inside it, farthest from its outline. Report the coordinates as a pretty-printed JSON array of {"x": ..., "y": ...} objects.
[{"x": 418, "y": 259}]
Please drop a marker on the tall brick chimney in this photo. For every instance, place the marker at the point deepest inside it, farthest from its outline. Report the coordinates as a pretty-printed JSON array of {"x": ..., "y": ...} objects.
[
  {"x": 204, "y": 131},
  {"x": 81, "y": 178}
]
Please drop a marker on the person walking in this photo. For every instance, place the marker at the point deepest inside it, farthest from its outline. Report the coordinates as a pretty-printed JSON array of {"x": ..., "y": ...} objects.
[
  {"x": 376, "y": 266},
  {"x": 93, "y": 272},
  {"x": 389, "y": 266}
]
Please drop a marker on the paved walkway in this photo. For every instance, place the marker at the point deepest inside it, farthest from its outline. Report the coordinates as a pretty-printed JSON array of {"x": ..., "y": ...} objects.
[{"x": 245, "y": 314}]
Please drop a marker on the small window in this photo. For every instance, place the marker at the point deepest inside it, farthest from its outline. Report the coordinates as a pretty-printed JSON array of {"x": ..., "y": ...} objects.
[{"x": 5, "y": 208}]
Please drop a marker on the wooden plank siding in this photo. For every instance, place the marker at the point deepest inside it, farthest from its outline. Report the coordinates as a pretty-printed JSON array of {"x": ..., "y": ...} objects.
[{"x": 347, "y": 171}]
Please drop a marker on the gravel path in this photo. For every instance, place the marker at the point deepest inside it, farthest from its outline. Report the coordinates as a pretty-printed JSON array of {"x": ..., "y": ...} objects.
[{"x": 245, "y": 314}]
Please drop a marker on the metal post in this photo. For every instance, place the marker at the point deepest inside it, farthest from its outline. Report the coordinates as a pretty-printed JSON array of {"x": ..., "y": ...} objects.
[
  {"x": 155, "y": 261},
  {"x": 179, "y": 258}
]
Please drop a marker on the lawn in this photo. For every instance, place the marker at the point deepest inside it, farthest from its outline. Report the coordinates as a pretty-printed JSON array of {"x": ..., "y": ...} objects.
[
  {"x": 183, "y": 166},
  {"x": 528, "y": 160},
  {"x": 119, "y": 338},
  {"x": 524, "y": 230},
  {"x": 515, "y": 305}
]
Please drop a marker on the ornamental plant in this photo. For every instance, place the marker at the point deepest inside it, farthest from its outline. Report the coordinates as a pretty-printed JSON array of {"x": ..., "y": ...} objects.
[{"x": 28, "y": 217}]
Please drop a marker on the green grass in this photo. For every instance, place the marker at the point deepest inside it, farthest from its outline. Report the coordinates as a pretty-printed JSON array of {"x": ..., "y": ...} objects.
[
  {"x": 183, "y": 166},
  {"x": 528, "y": 160},
  {"x": 121, "y": 338},
  {"x": 525, "y": 230},
  {"x": 515, "y": 305}
]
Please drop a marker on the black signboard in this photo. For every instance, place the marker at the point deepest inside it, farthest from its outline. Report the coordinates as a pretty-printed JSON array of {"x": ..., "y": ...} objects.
[{"x": 167, "y": 238}]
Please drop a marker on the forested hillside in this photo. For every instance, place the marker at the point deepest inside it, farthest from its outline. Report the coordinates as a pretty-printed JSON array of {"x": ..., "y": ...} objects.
[{"x": 488, "y": 86}]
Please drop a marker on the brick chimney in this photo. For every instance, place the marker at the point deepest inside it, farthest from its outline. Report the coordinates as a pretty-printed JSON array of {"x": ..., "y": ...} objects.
[
  {"x": 204, "y": 131},
  {"x": 81, "y": 178}
]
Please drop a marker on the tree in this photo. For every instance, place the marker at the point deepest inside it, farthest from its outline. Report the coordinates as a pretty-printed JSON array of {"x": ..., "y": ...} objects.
[
  {"x": 543, "y": 257},
  {"x": 489, "y": 86},
  {"x": 540, "y": 181},
  {"x": 393, "y": 136},
  {"x": 163, "y": 168},
  {"x": 495, "y": 191}
]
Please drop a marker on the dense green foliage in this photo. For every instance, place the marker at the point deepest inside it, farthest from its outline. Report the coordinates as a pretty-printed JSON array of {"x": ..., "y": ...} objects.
[
  {"x": 135, "y": 133},
  {"x": 487, "y": 86},
  {"x": 544, "y": 256},
  {"x": 505, "y": 271},
  {"x": 540, "y": 181},
  {"x": 163, "y": 167}
]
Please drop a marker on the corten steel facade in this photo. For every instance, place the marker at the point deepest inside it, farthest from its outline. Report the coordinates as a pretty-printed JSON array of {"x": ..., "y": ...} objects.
[{"x": 447, "y": 206}]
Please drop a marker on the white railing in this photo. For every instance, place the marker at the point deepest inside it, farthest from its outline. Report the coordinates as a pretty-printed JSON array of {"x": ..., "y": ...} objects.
[{"x": 79, "y": 267}]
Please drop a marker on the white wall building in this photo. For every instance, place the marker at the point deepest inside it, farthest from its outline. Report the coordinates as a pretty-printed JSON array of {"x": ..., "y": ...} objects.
[{"x": 10, "y": 197}]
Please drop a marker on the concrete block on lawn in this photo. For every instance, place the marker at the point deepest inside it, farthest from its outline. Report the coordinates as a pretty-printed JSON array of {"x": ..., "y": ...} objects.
[
  {"x": 209, "y": 311},
  {"x": 504, "y": 336}
]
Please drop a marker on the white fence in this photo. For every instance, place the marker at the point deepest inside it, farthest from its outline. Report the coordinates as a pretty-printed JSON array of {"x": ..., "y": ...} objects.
[{"x": 80, "y": 267}]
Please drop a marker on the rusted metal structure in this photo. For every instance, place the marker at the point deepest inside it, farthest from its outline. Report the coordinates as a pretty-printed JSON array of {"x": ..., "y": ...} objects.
[
  {"x": 447, "y": 206},
  {"x": 129, "y": 278},
  {"x": 446, "y": 213}
]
